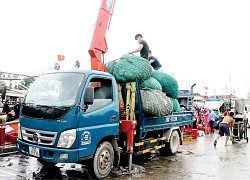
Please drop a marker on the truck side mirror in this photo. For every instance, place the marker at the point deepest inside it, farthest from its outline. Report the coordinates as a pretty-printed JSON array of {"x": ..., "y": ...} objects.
[{"x": 89, "y": 95}]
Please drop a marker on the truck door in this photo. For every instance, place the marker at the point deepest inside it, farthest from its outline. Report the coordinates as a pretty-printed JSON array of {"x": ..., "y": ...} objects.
[{"x": 101, "y": 119}]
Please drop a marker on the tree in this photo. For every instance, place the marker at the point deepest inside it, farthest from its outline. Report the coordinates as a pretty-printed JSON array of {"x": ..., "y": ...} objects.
[
  {"x": 27, "y": 81},
  {"x": 10, "y": 85},
  {"x": 1, "y": 86}
]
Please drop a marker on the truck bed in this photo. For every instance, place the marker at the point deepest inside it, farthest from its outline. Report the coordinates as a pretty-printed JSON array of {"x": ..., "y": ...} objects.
[{"x": 159, "y": 123}]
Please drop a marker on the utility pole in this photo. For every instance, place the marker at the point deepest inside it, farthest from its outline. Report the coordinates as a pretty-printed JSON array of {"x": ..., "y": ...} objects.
[{"x": 230, "y": 83}]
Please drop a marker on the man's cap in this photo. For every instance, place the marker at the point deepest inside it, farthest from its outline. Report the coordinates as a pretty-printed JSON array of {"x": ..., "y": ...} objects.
[{"x": 137, "y": 35}]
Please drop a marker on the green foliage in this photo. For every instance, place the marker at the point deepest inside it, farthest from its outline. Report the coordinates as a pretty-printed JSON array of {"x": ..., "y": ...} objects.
[{"x": 26, "y": 82}]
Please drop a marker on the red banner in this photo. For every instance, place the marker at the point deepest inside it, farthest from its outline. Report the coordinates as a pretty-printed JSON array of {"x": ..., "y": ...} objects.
[{"x": 61, "y": 57}]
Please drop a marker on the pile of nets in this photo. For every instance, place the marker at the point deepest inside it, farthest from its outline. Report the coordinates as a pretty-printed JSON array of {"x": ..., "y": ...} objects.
[
  {"x": 151, "y": 83},
  {"x": 129, "y": 68},
  {"x": 176, "y": 105},
  {"x": 159, "y": 90},
  {"x": 168, "y": 83},
  {"x": 111, "y": 66},
  {"x": 156, "y": 103}
]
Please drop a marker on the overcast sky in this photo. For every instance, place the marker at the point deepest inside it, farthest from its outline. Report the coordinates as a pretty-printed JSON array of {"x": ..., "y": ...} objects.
[{"x": 197, "y": 41}]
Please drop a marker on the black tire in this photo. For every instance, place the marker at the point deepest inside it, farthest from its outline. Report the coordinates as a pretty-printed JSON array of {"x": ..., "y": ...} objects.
[
  {"x": 46, "y": 163},
  {"x": 172, "y": 146},
  {"x": 103, "y": 160}
]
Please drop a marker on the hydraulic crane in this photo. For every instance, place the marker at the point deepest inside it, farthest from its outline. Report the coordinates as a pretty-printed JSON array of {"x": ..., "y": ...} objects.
[{"x": 98, "y": 45}]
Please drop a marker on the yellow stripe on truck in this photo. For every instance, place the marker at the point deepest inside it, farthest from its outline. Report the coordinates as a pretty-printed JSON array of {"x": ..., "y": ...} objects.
[
  {"x": 145, "y": 151},
  {"x": 158, "y": 147},
  {"x": 153, "y": 141},
  {"x": 139, "y": 144},
  {"x": 163, "y": 138}
]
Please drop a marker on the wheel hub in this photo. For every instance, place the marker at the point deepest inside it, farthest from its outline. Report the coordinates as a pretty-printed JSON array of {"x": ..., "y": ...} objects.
[{"x": 104, "y": 160}]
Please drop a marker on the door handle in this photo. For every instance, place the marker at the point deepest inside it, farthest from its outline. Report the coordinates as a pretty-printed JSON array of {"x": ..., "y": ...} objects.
[{"x": 113, "y": 117}]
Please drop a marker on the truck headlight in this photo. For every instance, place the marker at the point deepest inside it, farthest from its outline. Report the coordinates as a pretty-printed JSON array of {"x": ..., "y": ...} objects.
[
  {"x": 19, "y": 131},
  {"x": 67, "y": 138}
]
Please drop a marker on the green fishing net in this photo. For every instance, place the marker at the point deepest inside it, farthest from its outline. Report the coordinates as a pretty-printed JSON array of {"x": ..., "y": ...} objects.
[
  {"x": 129, "y": 68},
  {"x": 151, "y": 83},
  {"x": 168, "y": 83}
]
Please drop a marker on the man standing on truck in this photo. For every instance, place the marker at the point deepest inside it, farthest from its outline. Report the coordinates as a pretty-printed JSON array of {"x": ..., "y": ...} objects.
[
  {"x": 224, "y": 128},
  {"x": 154, "y": 62},
  {"x": 143, "y": 47}
]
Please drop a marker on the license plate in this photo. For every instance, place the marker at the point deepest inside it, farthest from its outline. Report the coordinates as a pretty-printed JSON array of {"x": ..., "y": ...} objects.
[{"x": 34, "y": 151}]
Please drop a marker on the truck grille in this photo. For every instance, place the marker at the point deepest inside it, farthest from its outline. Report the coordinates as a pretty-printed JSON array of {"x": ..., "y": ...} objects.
[{"x": 39, "y": 137}]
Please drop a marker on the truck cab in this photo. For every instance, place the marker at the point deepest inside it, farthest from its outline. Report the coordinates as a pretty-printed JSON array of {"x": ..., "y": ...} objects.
[{"x": 66, "y": 114}]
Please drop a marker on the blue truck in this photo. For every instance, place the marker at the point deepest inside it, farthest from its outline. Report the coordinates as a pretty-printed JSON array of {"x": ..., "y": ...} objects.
[
  {"x": 74, "y": 116},
  {"x": 84, "y": 116}
]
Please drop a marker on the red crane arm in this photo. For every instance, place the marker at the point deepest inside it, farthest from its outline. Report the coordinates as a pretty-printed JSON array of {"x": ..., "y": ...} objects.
[{"x": 99, "y": 45}]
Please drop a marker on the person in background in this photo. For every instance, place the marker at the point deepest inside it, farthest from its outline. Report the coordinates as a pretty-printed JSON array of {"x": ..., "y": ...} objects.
[
  {"x": 195, "y": 117},
  {"x": 224, "y": 128},
  {"x": 143, "y": 47},
  {"x": 212, "y": 118},
  {"x": 226, "y": 113},
  {"x": 1, "y": 107},
  {"x": 154, "y": 61},
  {"x": 77, "y": 65},
  {"x": 199, "y": 113},
  {"x": 6, "y": 107},
  {"x": 57, "y": 66},
  {"x": 206, "y": 120}
]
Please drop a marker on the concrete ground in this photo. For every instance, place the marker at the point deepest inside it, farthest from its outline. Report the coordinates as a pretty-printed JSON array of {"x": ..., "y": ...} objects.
[{"x": 196, "y": 159}]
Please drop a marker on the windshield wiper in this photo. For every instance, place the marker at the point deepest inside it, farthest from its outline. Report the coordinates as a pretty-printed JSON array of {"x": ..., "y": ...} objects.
[{"x": 28, "y": 104}]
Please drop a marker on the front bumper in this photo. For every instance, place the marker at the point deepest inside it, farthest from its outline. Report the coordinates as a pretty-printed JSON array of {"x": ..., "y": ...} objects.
[{"x": 49, "y": 154}]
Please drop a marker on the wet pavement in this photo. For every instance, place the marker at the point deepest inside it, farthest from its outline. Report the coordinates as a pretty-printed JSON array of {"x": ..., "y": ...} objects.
[{"x": 196, "y": 159}]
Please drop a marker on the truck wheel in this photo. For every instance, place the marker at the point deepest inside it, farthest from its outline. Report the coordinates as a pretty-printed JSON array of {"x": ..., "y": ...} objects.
[
  {"x": 172, "y": 146},
  {"x": 46, "y": 163},
  {"x": 103, "y": 160}
]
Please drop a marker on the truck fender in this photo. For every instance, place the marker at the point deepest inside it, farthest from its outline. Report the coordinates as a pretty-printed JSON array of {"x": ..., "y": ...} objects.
[{"x": 168, "y": 133}]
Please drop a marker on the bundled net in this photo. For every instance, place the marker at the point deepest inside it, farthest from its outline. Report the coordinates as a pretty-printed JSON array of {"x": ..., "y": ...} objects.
[
  {"x": 176, "y": 105},
  {"x": 168, "y": 83},
  {"x": 111, "y": 66},
  {"x": 129, "y": 68},
  {"x": 156, "y": 103},
  {"x": 151, "y": 83}
]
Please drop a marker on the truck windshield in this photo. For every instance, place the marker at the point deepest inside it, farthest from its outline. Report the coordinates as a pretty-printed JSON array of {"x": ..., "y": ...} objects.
[{"x": 52, "y": 95}]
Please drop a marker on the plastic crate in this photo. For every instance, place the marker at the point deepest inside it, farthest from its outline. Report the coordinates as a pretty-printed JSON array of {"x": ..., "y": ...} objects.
[
  {"x": 188, "y": 131},
  {"x": 12, "y": 136},
  {"x": 195, "y": 133},
  {"x": 187, "y": 138}
]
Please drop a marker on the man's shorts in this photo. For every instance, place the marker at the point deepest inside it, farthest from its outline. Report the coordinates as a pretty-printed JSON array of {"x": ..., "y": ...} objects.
[{"x": 224, "y": 129}]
